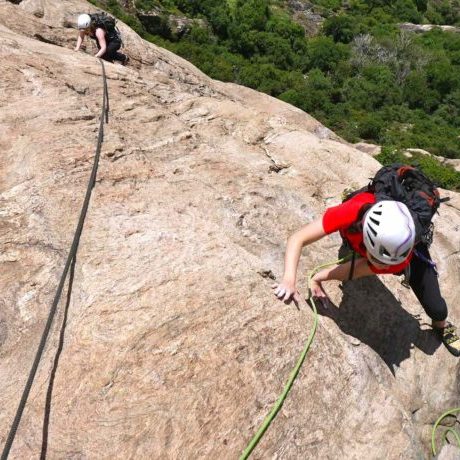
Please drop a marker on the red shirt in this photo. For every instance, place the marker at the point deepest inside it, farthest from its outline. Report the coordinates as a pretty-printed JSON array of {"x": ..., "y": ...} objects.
[{"x": 346, "y": 218}]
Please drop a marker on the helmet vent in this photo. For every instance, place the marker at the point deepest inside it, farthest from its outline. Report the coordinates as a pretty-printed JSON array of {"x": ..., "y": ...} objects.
[
  {"x": 373, "y": 230},
  {"x": 389, "y": 232},
  {"x": 370, "y": 239},
  {"x": 376, "y": 222}
]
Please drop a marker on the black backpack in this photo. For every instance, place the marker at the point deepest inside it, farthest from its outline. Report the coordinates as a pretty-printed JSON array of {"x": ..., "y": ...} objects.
[
  {"x": 413, "y": 188},
  {"x": 106, "y": 22}
]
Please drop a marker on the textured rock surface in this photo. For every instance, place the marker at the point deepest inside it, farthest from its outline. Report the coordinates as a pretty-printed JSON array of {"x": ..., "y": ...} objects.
[
  {"x": 175, "y": 346},
  {"x": 420, "y": 28},
  {"x": 449, "y": 452},
  {"x": 306, "y": 15},
  {"x": 370, "y": 149}
]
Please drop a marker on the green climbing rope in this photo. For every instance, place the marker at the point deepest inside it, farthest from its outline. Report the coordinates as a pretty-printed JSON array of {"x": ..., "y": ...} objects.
[
  {"x": 455, "y": 433},
  {"x": 269, "y": 418}
]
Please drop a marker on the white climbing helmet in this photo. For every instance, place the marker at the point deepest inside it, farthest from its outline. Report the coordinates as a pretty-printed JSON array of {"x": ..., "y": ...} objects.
[
  {"x": 389, "y": 232},
  {"x": 84, "y": 21}
]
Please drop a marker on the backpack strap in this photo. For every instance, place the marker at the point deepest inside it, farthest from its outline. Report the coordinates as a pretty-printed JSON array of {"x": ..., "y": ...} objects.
[
  {"x": 425, "y": 259},
  {"x": 357, "y": 226}
]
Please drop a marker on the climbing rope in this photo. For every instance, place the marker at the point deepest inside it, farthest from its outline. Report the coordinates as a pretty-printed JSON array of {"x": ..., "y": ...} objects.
[
  {"x": 452, "y": 431},
  {"x": 269, "y": 418},
  {"x": 279, "y": 403},
  {"x": 70, "y": 259}
]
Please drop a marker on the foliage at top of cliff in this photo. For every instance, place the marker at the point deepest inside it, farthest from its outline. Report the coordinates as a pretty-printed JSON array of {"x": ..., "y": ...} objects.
[
  {"x": 361, "y": 75},
  {"x": 387, "y": 11}
]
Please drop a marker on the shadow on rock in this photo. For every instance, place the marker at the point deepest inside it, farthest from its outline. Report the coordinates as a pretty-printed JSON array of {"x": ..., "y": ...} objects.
[{"x": 370, "y": 313}]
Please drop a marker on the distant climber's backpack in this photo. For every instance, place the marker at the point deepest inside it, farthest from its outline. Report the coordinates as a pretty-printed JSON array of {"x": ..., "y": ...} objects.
[
  {"x": 412, "y": 187},
  {"x": 106, "y": 22}
]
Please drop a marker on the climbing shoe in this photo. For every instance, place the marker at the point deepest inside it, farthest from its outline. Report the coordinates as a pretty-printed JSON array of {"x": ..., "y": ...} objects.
[
  {"x": 125, "y": 60},
  {"x": 450, "y": 338}
]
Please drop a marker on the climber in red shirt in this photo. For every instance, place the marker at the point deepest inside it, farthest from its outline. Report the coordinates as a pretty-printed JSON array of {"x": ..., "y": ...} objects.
[{"x": 382, "y": 235}]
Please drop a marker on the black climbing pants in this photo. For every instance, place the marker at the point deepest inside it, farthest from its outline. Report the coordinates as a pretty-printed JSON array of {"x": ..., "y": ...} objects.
[
  {"x": 424, "y": 282},
  {"x": 112, "y": 54}
]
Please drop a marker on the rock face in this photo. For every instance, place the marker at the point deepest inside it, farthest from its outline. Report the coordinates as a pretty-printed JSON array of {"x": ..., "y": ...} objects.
[
  {"x": 370, "y": 149},
  {"x": 175, "y": 346},
  {"x": 157, "y": 22},
  {"x": 448, "y": 161},
  {"x": 421, "y": 28},
  {"x": 306, "y": 15}
]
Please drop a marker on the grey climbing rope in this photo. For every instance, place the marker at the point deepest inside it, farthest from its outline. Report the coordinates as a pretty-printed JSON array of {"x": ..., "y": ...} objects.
[{"x": 70, "y": 258}]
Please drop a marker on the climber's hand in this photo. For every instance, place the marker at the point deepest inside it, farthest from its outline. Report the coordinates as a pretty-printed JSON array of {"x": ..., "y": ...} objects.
[
  {"x": 286, "y": 291},
  {"x": 317, "y": 292}
]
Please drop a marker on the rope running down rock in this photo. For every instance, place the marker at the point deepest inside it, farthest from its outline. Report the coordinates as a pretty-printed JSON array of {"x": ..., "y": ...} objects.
[
  {"x": 70, "y": 258},
  {"x": 454, "y": 433},
  {"x": 269, "y": 418}
]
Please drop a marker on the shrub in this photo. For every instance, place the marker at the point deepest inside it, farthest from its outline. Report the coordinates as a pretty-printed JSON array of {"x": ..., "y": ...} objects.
[
  {"x": 341, "y": 28},
  {"x": 442, "y": 175}
]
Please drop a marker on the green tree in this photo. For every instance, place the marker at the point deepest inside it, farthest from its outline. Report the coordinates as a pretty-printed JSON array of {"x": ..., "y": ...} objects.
[
  {"x": 312, "y": 93},
  {"x": 422, "y": 5},
  {"x": 449, "y": 111},
  {"x": 370, "y": 127},
  {"x": 275, "y": 49},
  {"x": 285, "y": 28},
  {"x": 253, "y": 13},
  {"x": 263, "y": 77},
  {"x": 406, "y": 10},
  {"x": 324, "y": 54},
  {"x": 372, "y": 4},
  {"x": 241, "y": 39},
  {"x": 373, "y": 89},
  {"x": 341, "y": 28},
  {"x": 442, "y": 76},
  {"x": 414, "y": 90},
  {"x": 199, "y": 35},
  {"x": 219, "y": 18}
]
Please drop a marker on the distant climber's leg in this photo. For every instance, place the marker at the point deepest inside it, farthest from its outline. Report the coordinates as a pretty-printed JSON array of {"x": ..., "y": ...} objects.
[
  {"x": 425, "y": 284},
  {"x": 112, "y": 53},
  {"x": 107, "y": 57}
]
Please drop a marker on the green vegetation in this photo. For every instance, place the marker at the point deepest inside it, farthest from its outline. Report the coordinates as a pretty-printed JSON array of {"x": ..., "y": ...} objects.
[
  {"x": 442, "y": 175},
  {"x": 361, "y": 76}
]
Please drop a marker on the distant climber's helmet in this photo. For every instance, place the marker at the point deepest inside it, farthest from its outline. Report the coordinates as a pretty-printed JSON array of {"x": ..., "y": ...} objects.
[
  {"x": 84, "y": 21},
  {"x": 389, "y": 232}
]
